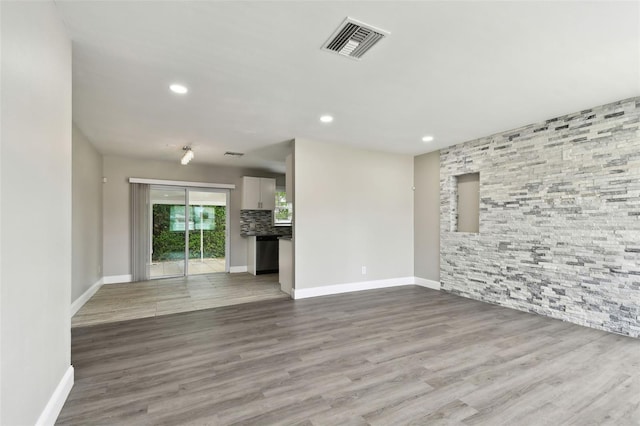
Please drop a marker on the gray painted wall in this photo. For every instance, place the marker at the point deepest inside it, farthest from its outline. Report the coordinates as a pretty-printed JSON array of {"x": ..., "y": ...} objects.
[
  {"x": 35, "y": 208},
  {"x": 559, "y": 218},
  {"x": 426, "y": 216},
  {"x": 116, "y": 200},
  {"x": 86, "y": 233},
  {"x": 353, "y": 208}
]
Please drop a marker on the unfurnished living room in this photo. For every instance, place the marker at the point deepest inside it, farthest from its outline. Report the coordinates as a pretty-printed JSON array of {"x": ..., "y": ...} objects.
[{"x": 319, "y": 212}]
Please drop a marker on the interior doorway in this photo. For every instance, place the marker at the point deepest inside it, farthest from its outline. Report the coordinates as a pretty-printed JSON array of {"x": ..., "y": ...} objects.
[{"x": 188, "y": 231}]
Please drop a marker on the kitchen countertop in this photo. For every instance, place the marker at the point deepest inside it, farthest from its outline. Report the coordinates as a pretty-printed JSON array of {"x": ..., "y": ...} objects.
[{"x": 263, "y": 234}]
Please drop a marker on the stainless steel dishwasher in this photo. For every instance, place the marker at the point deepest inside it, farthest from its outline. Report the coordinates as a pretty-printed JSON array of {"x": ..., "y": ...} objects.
[{"x": 267, "y": 254}]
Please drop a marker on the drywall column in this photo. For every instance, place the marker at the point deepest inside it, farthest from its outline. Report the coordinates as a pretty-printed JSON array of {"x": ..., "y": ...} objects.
[
  {"x": 426, "y": 217},
  {"x": 87, "y": 216},
  {"x": 353, "y": 209},
  {"x": 35, "y": 213},
  {"x": 559, "y": 218}
]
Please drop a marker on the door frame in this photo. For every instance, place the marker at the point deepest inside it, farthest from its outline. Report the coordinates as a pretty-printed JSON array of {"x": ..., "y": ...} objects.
[{"x": 227, "y": 223}]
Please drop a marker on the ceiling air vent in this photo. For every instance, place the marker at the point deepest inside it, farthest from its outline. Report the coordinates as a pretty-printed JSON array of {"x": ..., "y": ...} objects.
[
  {"x": 234, "y": 154},
  {"x": 354, "y": 38}
]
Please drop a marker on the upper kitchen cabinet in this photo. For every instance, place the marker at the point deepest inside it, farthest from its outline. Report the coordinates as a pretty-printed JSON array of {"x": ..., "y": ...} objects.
[{"x": 258, "y": 193}]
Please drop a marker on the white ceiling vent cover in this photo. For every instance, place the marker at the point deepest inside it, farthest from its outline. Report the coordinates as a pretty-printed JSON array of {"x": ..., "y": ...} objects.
[{"x": 354, "y": 38}]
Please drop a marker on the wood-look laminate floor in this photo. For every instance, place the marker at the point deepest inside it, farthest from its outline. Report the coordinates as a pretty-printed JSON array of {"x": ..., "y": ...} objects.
[
  {"x": 128, "y": 301},
  {"x": 405, "y": 355}
]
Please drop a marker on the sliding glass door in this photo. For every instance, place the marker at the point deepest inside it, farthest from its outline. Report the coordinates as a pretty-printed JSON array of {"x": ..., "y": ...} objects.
[
  {"x": 188, "y": 231},
  {"x": 207, "y": 232},
  {"x": 169, "y": 228}
]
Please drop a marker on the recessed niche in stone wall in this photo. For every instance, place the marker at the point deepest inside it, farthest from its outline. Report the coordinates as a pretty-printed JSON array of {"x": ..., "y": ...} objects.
[{"x": 468, "y": 202}]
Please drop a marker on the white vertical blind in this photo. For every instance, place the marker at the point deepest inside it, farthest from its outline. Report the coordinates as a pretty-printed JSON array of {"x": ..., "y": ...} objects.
[{"x": 140, "y": 235}]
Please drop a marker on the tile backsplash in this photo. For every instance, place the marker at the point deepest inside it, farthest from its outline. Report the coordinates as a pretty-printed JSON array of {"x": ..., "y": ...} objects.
[{"x": 260, "y": 222}]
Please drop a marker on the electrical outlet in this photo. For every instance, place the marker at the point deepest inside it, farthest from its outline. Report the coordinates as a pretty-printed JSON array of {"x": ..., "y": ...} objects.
[{"x": 364, "y": 270}]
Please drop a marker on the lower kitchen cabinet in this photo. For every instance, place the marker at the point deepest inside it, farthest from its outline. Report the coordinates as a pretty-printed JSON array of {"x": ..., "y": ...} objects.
[{"x": 286, "y": 265}]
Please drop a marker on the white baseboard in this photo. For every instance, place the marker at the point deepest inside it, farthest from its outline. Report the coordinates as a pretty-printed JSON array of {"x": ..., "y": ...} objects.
[
  {"x": 54, "y": 406},
  {"x": 84, "y": 297},
  {"x": 423, "y": 282},
  {"x": 237, "y": 269},
  {"x": 303, "y": 293},
  {"x": 115, "y": 279}
]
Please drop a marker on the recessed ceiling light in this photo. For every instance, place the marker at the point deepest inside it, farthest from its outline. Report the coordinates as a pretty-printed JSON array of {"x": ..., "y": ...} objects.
[
  {"x": 427, "y": 139},
  {"x": 178, "y": 88},
  {"x": 326, "y": 119}
]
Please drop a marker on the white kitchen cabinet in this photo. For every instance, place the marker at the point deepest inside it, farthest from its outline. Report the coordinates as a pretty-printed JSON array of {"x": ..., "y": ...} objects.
[
  {"x": 285, "y": 254},
  {"x": 258, "y": 193},
  {"x": 250, "y": 193},
  {"x": 251, "y": 255}
]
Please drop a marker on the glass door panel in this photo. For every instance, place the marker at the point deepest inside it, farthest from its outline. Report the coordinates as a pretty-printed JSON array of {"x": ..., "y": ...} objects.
[
  {"x": 169, "y": 228},
  {"x": 207, "y": 232}
]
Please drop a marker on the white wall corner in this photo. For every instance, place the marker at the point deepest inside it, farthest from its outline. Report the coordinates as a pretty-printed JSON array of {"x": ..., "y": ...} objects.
[
  {"x": 284, "y": 290},
  {"x": 237, "y": 269},
  {"x": 115, "y": 279},
  {"x": 423, "y": 282},
  {"x": 303, "y": 293},
  {"x": 52, "y": 410},
  {"x": 84, "y": 297}
]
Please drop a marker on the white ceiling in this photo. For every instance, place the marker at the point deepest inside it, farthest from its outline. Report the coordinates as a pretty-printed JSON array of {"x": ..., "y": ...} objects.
[{"x": 258, "y": 78}]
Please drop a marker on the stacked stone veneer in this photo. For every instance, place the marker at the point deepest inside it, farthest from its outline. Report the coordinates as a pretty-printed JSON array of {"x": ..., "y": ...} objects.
[{"x": 559, "y": 219}]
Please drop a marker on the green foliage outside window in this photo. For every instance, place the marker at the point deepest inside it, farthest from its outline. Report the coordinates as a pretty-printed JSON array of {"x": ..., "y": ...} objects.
[
  {"x": 169, "y": 245},
  {"x": 283, "y": 212}
]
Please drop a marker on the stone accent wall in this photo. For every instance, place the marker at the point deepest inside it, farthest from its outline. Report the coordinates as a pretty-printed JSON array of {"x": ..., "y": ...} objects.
[
  {"x": 559, "y": 219},
  {"x": 263, "y": 223}
]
